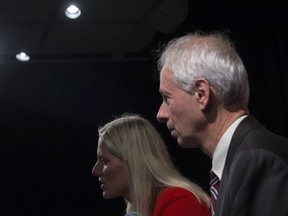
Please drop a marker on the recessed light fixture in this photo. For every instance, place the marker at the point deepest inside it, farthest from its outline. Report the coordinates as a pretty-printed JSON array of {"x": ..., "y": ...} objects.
[
  {"x": 22, "y": 56},
  {"x": 72, "y": 12}
]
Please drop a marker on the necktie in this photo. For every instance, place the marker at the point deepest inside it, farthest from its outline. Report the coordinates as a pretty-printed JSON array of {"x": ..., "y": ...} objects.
[{"x": 214, "y": 187}]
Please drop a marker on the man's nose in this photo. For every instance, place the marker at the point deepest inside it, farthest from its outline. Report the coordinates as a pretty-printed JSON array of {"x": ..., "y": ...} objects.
[{"x": 163, "y": 113}]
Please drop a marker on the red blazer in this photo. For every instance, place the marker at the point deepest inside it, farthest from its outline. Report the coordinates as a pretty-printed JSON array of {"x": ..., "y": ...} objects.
[{"x": 178, "y": 201}]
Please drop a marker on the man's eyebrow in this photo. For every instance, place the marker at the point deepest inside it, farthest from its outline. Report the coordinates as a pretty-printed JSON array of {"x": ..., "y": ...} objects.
[{"x": 164, "y": 92}]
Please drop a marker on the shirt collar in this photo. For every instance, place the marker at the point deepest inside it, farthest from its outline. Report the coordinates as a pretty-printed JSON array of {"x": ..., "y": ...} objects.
[{"x": 220, "y": 154}]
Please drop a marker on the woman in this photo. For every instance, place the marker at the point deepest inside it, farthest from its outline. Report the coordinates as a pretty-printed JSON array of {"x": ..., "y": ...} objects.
[{"x": 133, "y": 163}]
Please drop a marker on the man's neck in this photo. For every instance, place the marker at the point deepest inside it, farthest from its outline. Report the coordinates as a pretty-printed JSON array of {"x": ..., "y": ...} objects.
[{"x": 217, "y": 128}]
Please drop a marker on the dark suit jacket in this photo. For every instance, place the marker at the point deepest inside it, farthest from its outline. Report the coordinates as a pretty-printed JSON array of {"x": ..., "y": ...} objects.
[{"x": 255, "y": 176}]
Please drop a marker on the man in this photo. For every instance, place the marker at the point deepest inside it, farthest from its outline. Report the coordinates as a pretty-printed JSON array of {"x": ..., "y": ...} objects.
[{"x": 205, "y": 91}]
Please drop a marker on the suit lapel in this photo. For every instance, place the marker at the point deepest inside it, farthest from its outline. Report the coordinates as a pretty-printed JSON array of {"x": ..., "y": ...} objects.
[{"x": 243, "y": 128}]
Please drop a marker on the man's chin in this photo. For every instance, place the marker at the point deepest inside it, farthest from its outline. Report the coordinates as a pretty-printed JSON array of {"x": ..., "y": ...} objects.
[
  {"x": 174, "y": 134},
  {"x": 183, "y": 144},
  {"x": 180, "y": 141}
]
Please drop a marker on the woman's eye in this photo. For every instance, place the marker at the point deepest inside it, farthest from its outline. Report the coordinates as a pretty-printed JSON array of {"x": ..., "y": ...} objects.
[{"x": 102, "y": 161}]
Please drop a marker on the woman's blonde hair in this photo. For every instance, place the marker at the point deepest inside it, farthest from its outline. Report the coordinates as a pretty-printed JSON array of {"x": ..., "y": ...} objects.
[{"x": 136, "y": 141}]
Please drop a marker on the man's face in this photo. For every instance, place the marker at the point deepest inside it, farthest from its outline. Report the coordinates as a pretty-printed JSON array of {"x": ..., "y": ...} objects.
[{"x": 179, "y": 110}]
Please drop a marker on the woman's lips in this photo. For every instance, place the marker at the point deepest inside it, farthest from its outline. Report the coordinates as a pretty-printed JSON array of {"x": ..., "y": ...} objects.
[{"x": 102, "y": 186}]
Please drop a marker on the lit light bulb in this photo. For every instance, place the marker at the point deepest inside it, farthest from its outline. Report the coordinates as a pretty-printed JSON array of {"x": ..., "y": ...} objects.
[
  {"x": 22, "y": 56},
  {"x": 72, "y": 12}
]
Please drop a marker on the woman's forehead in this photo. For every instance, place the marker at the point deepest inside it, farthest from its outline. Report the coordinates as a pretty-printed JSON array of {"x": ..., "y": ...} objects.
[{"x": 102, "y": 147}]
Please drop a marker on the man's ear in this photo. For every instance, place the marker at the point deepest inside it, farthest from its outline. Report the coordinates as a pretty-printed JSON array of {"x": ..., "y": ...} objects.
[{"x": 202, "y": 92}]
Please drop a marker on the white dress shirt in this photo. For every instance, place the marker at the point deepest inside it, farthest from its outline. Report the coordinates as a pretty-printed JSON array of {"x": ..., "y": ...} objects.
[{"x": 220, "y": 154}]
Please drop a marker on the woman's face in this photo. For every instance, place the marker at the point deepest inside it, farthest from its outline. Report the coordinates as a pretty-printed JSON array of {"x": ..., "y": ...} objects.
[{"x": 112, "y": 173}]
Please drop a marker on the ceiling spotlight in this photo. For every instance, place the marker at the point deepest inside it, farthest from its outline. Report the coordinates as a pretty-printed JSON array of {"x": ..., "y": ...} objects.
[
  {"x": 72, "y": 12},
  {"x": 22, "y": 57}
]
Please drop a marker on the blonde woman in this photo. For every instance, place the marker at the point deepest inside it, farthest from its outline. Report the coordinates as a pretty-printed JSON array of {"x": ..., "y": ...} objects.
[{"x": 133, "y": 163}]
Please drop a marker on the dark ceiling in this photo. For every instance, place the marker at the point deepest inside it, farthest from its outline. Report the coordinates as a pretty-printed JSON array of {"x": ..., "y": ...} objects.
[{"x": 111, "y": 27}]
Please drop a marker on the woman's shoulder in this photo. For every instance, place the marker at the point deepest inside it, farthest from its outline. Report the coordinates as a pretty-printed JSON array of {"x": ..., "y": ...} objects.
[
  {"x": 176, "y": 193},
  {"x": 174, "y": 200}
]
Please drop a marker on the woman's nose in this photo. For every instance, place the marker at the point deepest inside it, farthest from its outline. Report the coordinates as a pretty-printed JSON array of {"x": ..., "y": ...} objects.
[{"x": 96, "y": 171}]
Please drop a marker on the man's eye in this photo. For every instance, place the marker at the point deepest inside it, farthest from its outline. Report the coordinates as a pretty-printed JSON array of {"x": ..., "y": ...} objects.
[{"x": 164, "y": 98}]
